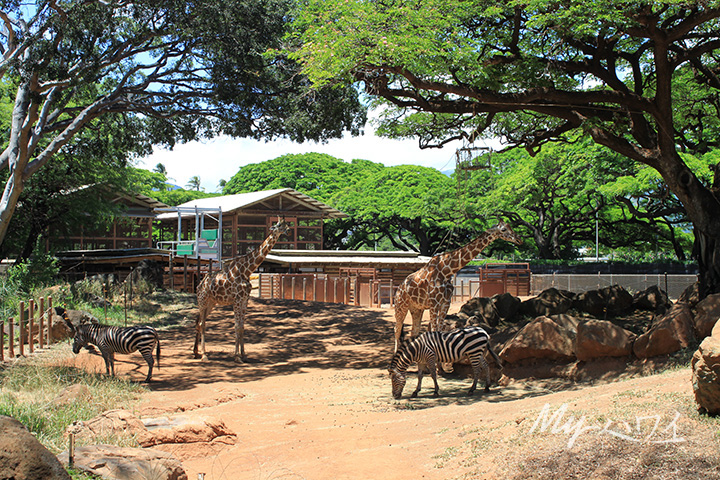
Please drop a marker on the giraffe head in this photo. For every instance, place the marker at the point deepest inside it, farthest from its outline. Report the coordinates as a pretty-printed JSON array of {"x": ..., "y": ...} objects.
[
  {"x": 282, "y": 226},
  {"x": 503, "y": 231}
]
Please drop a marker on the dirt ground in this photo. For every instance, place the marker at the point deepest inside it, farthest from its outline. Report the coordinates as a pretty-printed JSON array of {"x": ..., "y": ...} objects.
[{"x": 314, "y": 402}]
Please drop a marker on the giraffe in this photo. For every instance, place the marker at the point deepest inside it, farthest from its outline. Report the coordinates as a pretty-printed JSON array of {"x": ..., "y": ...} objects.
[
  {"x": 231, "y": 286},
  {"x": 431, "y": 287}
]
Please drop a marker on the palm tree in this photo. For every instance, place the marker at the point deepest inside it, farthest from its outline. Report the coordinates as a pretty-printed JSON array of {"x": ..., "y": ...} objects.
[
  {"x": 194, "y": 183},
  {"x": 221, "y": 184},
  {"x": 160, "y": 168}
]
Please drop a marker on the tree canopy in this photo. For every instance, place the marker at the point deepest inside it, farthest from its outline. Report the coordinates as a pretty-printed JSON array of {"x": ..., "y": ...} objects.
[
  {"x": 640, "y": 78},
  {"x": 185, "y": 71}
]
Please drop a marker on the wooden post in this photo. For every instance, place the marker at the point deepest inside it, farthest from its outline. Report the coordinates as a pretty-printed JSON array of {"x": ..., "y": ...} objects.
[
  {"x": 2, "y": 340},
  {"x": 171, "y": 272},
  {"x": 199, "y": 264},
  {"x": 185, "y": 273},
  {"x": 315, "y": 287},
  {"x": 41, "y": 331},
  {"x": 21, "y": 344},
  {"x": 31, "y": 325},
  {"x": 49, "y": 328},
  {"x": 292, "y": 286},
  {"x": 304, "y": 288},
  {"x": 11, "y": 338}
]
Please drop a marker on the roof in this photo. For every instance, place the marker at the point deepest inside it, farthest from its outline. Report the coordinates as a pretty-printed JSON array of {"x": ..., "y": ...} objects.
[
  {"x": 230, "y": 203},
  {"x": 345, "y": 257}
]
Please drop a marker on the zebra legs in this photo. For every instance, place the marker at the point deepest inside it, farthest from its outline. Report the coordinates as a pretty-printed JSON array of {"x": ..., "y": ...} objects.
[
  {"x": 432, "y": 366},
  {"x": 477, "y": 362},
  {"x": 149, "y": 359}
]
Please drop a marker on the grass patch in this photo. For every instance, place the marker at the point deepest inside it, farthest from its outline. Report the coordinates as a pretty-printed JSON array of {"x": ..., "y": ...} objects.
[{"x": 31, "y": 386}]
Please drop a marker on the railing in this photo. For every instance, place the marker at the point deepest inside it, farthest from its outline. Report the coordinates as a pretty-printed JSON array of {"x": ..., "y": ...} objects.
[{"x": 34, "y": 328}]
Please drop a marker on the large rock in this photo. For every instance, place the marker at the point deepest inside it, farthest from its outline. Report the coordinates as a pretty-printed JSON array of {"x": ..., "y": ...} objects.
[
  {"x": 707, "y": 313},
  {"x": 705, "y": 366},
  {"x": 506, "y": 305},
  {"x": 600, "y": 338},
  {"x": 550, "y": 302},
  {"x": 119, "y": 422},
  {"x": 652, "y": 299},
  {"x": 185, "y": 430},
  {"x": 154, "y": 431},
  {"x": 611, "y": 300},
  {"x": 667, "y": 334},
  {"x": 690, "y": 296},
  {"x": 542, "y": 338},
  {"x": 125, "y": 463},
  {"x": 480, "y": 307},
  {"x": 22, "y": 456}
]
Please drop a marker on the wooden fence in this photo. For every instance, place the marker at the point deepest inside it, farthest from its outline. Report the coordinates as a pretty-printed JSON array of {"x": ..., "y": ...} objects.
[
  {"x": 32, "y": 330},
  {"x": 318, "y": 287}
]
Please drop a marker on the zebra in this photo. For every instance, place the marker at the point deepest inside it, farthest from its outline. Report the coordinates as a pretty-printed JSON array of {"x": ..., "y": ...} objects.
[
  {"x": 432, "y": 347},
  {"x": 111, "y": 340}
]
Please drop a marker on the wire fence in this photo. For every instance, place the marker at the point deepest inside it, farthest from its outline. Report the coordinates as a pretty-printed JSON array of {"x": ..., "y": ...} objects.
[{"x": 672, "y": 284}]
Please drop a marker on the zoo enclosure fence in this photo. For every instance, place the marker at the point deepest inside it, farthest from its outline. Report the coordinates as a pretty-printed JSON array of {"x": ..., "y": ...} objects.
[
  {"x": 32, "y": 330},
  {"x": 360, "y": 291}
]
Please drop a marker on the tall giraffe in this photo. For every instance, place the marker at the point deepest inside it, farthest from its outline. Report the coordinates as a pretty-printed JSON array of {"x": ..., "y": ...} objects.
[
  {"x": 431, "y": 287},
  {"x": 231, "y": 286}
]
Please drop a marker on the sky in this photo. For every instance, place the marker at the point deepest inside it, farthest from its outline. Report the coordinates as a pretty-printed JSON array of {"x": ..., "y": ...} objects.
[{"x": 221, "y": 157}]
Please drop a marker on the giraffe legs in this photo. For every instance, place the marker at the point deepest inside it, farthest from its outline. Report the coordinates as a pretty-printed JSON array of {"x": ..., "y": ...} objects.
[
  {"x": 240, "y": 308},
  {"x": 203, "y": 313}
]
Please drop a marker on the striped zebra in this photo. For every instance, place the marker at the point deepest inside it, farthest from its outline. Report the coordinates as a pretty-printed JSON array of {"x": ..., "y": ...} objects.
[
  {"x": 432, "y": 347},
  {"x": 111, "y": 340}
]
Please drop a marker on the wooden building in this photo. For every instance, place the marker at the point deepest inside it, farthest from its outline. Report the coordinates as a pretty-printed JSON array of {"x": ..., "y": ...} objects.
[{"x": 246, "y": 219}]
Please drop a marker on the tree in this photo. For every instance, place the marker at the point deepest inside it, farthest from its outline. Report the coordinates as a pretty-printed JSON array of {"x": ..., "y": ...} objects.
[
  {"x": 194, "y": 183},
  {"x": 160, "y": 168},
  {"x": 186, "y": 71},
  {"x": 640, "y": 78}
]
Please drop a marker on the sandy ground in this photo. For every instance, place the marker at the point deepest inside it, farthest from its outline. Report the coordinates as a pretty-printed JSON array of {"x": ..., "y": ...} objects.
[{"x": 314, "y": 402}]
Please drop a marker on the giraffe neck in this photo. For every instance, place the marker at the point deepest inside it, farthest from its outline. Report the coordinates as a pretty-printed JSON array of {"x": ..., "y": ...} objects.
[
  {"x": 248, "y": 263},
  {"x": 448, "y": 264}
]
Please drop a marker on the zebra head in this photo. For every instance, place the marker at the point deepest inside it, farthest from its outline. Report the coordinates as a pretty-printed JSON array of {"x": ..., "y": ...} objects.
[
  {"x": 397, "y": 370},
  {"x": 397, "y": 379}
]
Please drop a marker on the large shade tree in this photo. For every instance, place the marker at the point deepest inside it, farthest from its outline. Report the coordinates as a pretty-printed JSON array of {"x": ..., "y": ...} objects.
[
  {"x": 186, "y": 69},
  {"x": 638, "y": 77}
]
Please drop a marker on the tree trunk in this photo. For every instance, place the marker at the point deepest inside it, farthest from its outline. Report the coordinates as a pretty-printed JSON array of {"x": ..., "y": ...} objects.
[{"x": 706, "y": 251}]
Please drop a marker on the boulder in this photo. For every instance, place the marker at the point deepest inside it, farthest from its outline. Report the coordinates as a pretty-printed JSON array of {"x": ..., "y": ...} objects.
[
  {"x": 125, "y": 463},
  {"x": 566, "y": 321},
  {"x": 550, "y": 302},
  {"x": 611, "y": 300},
  {"x": 540, "y": 339},
  {"x": 481, "y": 307},
  {"x": 119, "y": 422},
  {"x": 600, "y": 338},
  {"x": 690, "y": 296},
  {"x": 667, "y": 334},
  {"x": 185, "y": 430},
  {"x": 506, "y": 305},
  {"x": 705, "y": 367},
  {"x": 707, "y": 313},
  {"x": 652, "y": 299},
  {"x": 23, "y": 456}
]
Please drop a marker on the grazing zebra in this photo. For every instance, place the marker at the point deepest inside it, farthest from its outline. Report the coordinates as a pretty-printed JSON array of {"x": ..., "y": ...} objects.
[
  {"x": 111, "y": 340},
  {"x": 432, "y": 347}
]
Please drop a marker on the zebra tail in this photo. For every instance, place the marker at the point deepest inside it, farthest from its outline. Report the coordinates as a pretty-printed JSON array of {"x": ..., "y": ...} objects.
[
  {"x": 158, "y": 353},
  {"x": 495, "y": 356}
]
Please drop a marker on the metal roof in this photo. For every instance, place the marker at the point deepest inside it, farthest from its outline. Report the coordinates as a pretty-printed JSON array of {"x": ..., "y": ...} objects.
[
  {"x": 230, "y": 203},
  {"x": 345, "y": 257}
]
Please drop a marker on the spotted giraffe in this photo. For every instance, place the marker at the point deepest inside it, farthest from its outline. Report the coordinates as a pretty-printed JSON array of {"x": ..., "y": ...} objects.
[
  {"x": 231, "y": 286},
  {"x": 431, "y": 287}
]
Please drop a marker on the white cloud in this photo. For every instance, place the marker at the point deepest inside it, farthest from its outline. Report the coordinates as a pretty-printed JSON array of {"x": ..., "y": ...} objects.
[{"x": 222, "y": 157}]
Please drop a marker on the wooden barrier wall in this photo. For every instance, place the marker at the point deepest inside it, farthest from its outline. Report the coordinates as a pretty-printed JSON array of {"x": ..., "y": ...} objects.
[{"x": 33, "y": 329}]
